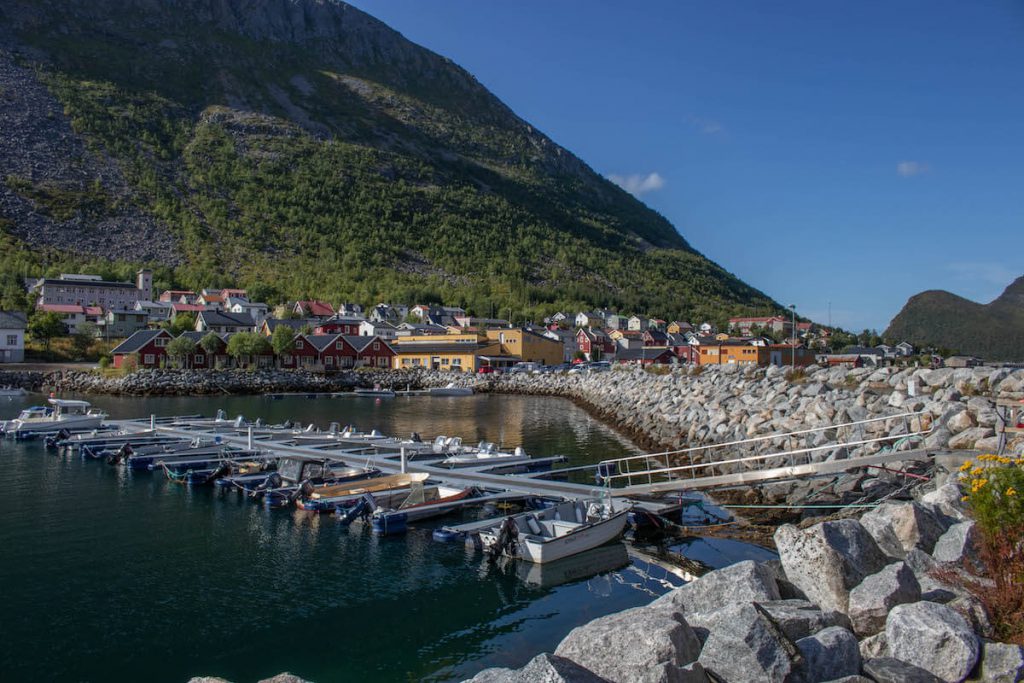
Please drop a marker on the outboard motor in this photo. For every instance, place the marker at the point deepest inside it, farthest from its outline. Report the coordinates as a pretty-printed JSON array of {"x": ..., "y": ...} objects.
[
  {"x": 273, "y": 481},
  {"x": 415, "y": 438},
  {"x": 120, "y": 455},
  {"x": 508, "y": 540},
  {"x": 220, "y": 415},
  {"x": 363, "y": 508},
  {"x": 52, "y": 440},
  {"x": 304, "y": 490}
]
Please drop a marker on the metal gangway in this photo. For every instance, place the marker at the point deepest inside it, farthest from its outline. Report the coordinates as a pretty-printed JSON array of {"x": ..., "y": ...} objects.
[{"x": 851, "y": 445}]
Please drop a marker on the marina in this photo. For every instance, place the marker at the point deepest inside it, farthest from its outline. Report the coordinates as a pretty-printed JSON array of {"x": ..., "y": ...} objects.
[{"x": 117, "y": 540}]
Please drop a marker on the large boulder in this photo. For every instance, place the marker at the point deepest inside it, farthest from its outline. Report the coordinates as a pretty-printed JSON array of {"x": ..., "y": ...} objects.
[
  {"x": 745, "y": 644},
  {"x": 544, "y": 668},
  {"x": 874, "y": 646},
  {"x": 800, "y": 618},
  {"x": 827, "y": 560},
  {"x": 829, "y": 654},
  {"x": 746, "y": 581},
  {"x": 872, "y": 598},
  {"x": 933, "y": 589},
  {"x": 966, "y": 439},
  {"x": 959, "y": 543},
  {"x": 934, "y": 638},
  {"x": 912, "y": 524},
  {"x": 619, "y": 645},
  {"x": 890, "y": 670},
  {"x": 1001, "y": 663},
  {"x": 946, "y": 499}
]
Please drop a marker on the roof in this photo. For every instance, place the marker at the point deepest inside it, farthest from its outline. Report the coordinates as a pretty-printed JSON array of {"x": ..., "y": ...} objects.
[
  {"x": 321, "y": 341},
  {"x": 862, "y": 351},
  {"x": 69, "y": 403},
  {"x": 12, "y": 320},
  {"x": 316, "y": 308},
  {"x": 176, "y": 291},
  {"x": 360, "y": 342},
  {"x": 90, "y": 283},
  {"x": 440, "y": 347},
  {"x": 61, "y": 308},
  {"x": 762, "y": 319},
  {"x": 138, "y": 340},
  {"x": 187, "y": 308},
  {"x": 94, "y": 310},
  {"x": 642, "y": 353},
  {"x": 342, "y": 320},
  {"x": 219, "y": 319}
]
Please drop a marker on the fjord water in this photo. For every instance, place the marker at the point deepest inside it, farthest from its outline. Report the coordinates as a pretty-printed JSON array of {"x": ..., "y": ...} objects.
[{"x": 115, "y": 576}]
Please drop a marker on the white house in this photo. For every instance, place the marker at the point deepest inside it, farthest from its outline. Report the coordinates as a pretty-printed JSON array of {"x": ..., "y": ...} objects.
[
  {"x": 905, "y": 349},
  {"x": 614, "y": 321},
  {"x": 12, "y": 336},
  {"x": 638, "y": 324},
  {"x": 158, "y": 311},
  {"x": 589, "y": 319},
  {"x": 255, "y": 310},
  {"x": 382, "y": 329}
]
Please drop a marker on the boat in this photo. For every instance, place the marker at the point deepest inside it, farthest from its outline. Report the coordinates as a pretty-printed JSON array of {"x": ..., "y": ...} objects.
[
  {"x": 606, "y": 558},
  {"x": 61, "y": 414},
  {"x": 299, "y": 476},
  {"x": 377, "y": 391},
  {"x": 421, "y": 503},
  {"x": 450, "y": 390},
  {"x": 326, "y": 498},
  {"x": 485, "y": 454},
  {"x": 11, "y": 392},
  {"x": 561, "y": 531}
]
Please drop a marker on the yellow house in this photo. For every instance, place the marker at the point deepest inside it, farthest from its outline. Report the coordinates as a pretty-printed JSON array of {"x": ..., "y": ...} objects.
[
  {"x": 456, "y": 352},
  {"x": 734, "y": 351},
  {"x": 523, "y": 345}
]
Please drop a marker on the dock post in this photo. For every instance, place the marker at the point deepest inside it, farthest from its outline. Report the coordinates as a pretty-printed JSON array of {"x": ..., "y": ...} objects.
[
  {"x": 403, "y": 459},
  {"x": 152, "y": 422},
  {"x": 250, "y": 438}
]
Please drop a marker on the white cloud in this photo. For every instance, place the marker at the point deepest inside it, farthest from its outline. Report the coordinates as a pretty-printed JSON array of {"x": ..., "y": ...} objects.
[
  {"x": 706, "y": 126},
  {"x": 638, "y": 183},
  {"x": 908, "y": 169}
]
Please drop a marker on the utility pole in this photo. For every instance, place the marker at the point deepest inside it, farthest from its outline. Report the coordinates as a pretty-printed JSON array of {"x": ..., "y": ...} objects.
[{"x": 792, "y": 349}]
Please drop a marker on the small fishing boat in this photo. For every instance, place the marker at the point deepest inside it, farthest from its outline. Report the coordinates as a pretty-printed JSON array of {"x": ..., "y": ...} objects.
[
  {"x": 61, "y": 414},
  {"x": 376, "y": 392},
  {"x": 326, "y": 498},
  {"x": 557, "y": 532},
  {"x": 485, "y": 453},
  {"x": 450, "y": 390},
  {"x": 421, "y": 503},
  {"x": 295, "y": 475}
]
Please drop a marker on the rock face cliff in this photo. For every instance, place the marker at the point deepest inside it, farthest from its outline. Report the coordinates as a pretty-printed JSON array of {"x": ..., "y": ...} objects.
[
  {"x": 994, "y": 331},
  {"x": 262, "y": 140}
]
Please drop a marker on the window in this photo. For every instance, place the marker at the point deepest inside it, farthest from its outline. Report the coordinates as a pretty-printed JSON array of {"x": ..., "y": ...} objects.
[
  {"x": 382, "y": 362},
  {"x": 339, "y": 346},
  {"x": 148, "y": 359},
  {"x": 457, "y": 361},
  {"x": 299, "y": 345},
  {"x": 200, "y": 359},
  {"x": 286, "y": 358},
  {"x": 328, "y": 360},
  {"x": 376, "y": 346},
  {"x": 12, "y": 340},
  {"x": 161, "y": 342}
]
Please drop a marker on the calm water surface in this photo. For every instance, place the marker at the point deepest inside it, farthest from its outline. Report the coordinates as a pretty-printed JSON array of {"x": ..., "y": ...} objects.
[{"x": 114, "y": 576}]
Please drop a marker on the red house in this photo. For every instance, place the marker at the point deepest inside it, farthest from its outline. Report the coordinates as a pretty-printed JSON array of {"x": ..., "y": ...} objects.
[
  {"x": 203, "y": 360},
  {"x": 313, "y": 309},
  {"x": 339, "y": 325},
  {"x": 305, "y": 353},
  {"x": 589, "y": 340},
  {"x": 371, "y": 352},
  {"x": 148, "y": 346}
]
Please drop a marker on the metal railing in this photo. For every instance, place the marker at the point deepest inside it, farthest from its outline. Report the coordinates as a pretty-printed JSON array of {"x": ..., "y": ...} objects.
[{"x": 712, "y": 459}]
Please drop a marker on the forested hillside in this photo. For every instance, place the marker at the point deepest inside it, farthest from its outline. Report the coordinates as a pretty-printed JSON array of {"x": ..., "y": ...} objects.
[{"x": 306, "y": 149}]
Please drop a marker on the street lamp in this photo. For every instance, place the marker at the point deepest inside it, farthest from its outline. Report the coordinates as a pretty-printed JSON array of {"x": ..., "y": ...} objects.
[{"x": 792, "y": 349}]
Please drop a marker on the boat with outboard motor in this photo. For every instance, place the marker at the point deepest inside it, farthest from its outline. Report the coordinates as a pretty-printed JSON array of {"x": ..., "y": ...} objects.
[
  {"x": 325, "y": 498},
  {"x": 560, "y": 531},
  {"x": 295, "y": 476},
  {"x": 61, "y": 414},
  {"x": 450, "y": 390},
  {"x": 484, "y": 454}
]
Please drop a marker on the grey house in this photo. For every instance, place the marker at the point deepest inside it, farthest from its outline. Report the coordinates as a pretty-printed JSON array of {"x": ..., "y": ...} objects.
[{"x": 12, "y": 336}]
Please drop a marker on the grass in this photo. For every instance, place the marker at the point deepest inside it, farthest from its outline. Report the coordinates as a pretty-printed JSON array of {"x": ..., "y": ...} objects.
[{"x": 62, "y": 350}]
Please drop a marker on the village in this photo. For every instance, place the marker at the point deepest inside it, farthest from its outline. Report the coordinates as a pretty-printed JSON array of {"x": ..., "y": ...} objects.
[{"x": 218, "y": 328}]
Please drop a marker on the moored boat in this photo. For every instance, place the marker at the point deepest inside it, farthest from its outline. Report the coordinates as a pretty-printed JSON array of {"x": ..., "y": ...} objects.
[
  {"x": 325, "y": 498},
  {"x": 61, "y": 414},
  {"x": 485, "y": 453},
  {"x": 557, "y": 532},
  {"x": 450, "y": 390}
]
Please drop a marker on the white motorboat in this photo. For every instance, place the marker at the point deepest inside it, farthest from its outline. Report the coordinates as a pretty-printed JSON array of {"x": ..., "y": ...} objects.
[
  {"x": 485, "y": 454},
  {"x": 61, "y": 414},
  {"x": 11, "y": 392},
  {"x": 557, "y": 532},
  {"x": 450, "y": 390},
  {"x": 377, "y": 391}
]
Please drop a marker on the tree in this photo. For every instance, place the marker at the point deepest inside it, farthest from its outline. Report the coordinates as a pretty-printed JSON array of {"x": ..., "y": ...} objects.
[
  {"x": 83, "y": 339},
  {"x": 45, "y": 326},
  {"x": 245, "y": 345},
  {"x": 211, "y": 344},
  {"x": 180, "y": 349},
  {"x": 306, "y": 329},
  {"x": 183, "y": 322},
  {"x": 282, "y": 340}
]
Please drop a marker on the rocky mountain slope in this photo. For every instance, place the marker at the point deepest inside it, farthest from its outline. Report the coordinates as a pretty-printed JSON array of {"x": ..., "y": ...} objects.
[
  {"x": 994, "y": 331},
  {"x": 303, "y": 146}
]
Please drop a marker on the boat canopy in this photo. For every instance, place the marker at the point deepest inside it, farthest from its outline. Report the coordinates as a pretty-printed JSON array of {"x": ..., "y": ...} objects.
[{"x": 68, "y": 403}]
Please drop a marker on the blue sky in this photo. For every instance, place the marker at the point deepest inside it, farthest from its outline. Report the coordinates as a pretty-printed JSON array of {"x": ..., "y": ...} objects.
[{"x": 852, "y": 153}]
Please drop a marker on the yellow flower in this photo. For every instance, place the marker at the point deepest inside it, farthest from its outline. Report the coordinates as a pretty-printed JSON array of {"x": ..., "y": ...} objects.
[
  {"x": 966, "y": 466},
  {"x": 1011, "y": 491},
  {"x": 965, "y": 498},
  {"x": 976, "y": 471}
]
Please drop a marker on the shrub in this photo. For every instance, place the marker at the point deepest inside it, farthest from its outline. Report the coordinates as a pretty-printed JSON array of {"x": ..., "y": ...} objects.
[
  {"x": 104, "y": 361},
  {"x": 994, "y": 489},
  {"x": 796, "y": 375},
  {"x": 130, "y": 364}
]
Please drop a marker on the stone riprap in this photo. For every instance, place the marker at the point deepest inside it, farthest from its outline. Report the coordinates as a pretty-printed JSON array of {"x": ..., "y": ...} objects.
[
  {"x": 706, "y": 632},
  {"x": 685, "y": 407}
]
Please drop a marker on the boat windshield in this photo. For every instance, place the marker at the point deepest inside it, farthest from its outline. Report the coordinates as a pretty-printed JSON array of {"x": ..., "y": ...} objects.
[
  {"x": 290, "y": 469},
  {"x": 35, "y": 412}
]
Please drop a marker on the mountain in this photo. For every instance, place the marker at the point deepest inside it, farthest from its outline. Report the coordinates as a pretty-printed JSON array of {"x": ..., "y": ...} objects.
[
  {"x": 993, "y": 331},
  {"x": 304, "y": 148}
]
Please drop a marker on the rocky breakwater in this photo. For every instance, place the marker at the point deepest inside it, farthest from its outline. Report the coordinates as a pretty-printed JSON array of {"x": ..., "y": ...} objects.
[
  {"x": 715, "y": 404},
  {"x": 872, "y": 600}
]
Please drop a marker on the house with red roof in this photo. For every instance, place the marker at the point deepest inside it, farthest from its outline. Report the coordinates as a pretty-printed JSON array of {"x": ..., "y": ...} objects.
[
  {"x": 313, "y": 309},
  {"x": 594, "y": 343}
]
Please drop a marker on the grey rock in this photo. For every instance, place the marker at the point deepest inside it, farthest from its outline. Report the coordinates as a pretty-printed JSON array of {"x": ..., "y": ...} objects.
[
  {"x": 1001, "y": 663},
  {"x": 746, "y": 645},
  {"x": 800, "y": 618},
  {"x": 957, "y": 544},
  {"x": 932, "y": 589},
  {"x": 933, "y": 637},
  {"x": 913, "y": 524},
  {"x": 971, "y": 609},
  {"x": 872, "y": 598},
  {"x": 827, "y": 560},
  {"x": 890, "y": 670},
  {"x": 787, "y": 591},
  {"x": 746, "y": 581},
  {"x": 946, "y": 499},
  {"x": 960, "y": 422},
  {"x": 829, "y": 654},
  {"x": 641, "y": 639},
  {"x": 284, "y": 678},
  {"x": 851, "y": 679},
  {"x": 874, "y": 646},
  {"x": 966, "y": 439}
]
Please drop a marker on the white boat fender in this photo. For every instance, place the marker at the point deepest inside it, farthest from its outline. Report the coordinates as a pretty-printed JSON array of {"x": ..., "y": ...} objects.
[
  {"x": 531, "y": 521},
  {"x": 375, "y": 433},
  {"x": 519, "y": 451}
]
